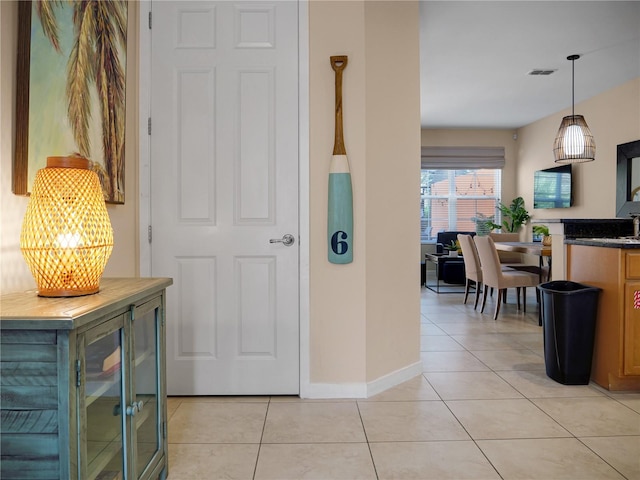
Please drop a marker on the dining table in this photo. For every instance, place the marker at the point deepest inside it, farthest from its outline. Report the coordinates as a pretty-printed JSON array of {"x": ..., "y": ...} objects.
[{"x": 530, "y": 248}]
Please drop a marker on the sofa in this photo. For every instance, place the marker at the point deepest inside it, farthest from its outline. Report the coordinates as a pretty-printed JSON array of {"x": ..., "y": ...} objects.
[
  {"x": 444, "y": 239},
  {"x": 450, "y": 270}
]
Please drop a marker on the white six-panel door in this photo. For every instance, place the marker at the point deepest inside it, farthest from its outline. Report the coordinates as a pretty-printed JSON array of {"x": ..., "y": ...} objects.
[{"x": 224, "y": 182}]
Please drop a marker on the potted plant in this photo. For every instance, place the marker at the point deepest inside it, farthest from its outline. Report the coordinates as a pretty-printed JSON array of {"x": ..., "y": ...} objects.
[
  {"x": 483, "y": 224},
  {"x": 513, "y": 216},
  {"x": 454, "y": 247},
  {"x": 543, "y": 231}
]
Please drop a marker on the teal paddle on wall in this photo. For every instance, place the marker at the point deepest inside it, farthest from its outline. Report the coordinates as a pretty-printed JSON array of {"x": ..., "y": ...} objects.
[{"x": 340, "y": 201}]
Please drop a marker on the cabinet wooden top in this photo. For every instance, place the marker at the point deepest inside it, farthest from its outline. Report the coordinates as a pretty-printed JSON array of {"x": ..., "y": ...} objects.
[{"x": 26, "y": 310}]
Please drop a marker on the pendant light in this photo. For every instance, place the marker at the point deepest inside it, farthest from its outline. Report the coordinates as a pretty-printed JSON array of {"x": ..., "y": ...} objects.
[{"x": 574, "y": 142}]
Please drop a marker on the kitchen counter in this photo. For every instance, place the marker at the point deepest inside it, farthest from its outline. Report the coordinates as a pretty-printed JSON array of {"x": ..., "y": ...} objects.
[
  {"x": 624, "y": 242},
  {"x": 566, "y": 232},
  {"x": 613, "y": 265}
]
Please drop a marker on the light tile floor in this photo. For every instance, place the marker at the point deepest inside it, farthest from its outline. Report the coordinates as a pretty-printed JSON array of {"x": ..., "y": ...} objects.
[{"x": 483, "y": 408}]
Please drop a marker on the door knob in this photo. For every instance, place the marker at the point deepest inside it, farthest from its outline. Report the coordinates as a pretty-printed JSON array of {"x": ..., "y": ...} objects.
[
  {"x": 134, "y": 408},
  {"x": 287, "y": 239}
]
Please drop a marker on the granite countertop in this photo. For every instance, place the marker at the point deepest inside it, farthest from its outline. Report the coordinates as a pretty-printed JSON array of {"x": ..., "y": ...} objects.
[
  {"x": 599, "y": 232},
  {"x": 624, "y": 242}
]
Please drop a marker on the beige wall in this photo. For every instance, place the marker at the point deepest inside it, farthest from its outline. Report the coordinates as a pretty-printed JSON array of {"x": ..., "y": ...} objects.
[
  {"x": 614, "y": 118},
  {"x": 365, "y": 315},
  {"x": 337, "y": 292},
  {"x": 393, "y": 186},
  {"x": 14, "y": 274}
]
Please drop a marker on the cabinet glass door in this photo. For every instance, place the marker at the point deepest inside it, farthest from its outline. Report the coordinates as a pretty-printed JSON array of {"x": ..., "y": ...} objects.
[
  {"x": 102, "y": 392},
  {"x": 146, "y": 386}
]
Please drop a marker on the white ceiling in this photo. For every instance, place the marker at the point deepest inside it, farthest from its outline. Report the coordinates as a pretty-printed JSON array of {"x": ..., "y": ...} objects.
[{"x": 476, "y": 56}]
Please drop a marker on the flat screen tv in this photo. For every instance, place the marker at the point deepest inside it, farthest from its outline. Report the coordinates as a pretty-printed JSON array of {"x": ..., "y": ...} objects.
[{"x": 552, "y": 188}]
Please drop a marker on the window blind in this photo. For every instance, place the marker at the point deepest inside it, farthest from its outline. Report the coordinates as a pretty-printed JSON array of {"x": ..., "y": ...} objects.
[{"x": 461, "y": 158}]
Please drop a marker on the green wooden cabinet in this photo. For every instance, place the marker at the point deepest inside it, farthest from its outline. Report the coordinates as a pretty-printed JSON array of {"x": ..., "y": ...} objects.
[{"x": 82, "y": 384}]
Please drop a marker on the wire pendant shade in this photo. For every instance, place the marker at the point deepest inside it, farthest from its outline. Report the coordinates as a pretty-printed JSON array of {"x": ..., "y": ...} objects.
[
  {"x": 66, "y": 236},
  {"x": 574, "y": 142}
]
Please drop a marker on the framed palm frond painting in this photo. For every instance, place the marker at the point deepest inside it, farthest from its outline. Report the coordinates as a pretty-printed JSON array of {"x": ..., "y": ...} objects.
[{"x": 71, "y": 78}]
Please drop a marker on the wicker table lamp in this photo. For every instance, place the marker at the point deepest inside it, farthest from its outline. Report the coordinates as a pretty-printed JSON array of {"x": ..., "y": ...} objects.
[{"x": 66, "y": 236}]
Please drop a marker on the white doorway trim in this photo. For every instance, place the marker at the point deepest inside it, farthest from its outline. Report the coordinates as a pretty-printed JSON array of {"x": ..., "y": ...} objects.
[
  {"x": 144, "y": 172},
  {"x": 144, "y": 139},
  {"x": 303, "y": 192}
]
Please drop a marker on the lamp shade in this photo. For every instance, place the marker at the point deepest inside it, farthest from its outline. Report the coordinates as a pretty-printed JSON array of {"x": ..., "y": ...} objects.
[
  {"x": 66, "y": 236},
  {"x": 574, "y": 142}
]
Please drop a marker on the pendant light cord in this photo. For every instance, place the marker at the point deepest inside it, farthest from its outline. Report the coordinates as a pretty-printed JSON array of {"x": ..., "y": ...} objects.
[
  {"x": 573, "y": 59},
  {"x": 573, "y": 87}
]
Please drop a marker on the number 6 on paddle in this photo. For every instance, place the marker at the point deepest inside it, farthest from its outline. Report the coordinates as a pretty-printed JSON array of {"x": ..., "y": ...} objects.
[{"x": 340, "y": 204}]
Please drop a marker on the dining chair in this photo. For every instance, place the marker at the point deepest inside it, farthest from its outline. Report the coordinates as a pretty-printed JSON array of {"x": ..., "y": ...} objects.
[
  {"x": 494, "y": 276},
  {"x": 516, "y": 260},
  {"x": 473, "y": 271}
]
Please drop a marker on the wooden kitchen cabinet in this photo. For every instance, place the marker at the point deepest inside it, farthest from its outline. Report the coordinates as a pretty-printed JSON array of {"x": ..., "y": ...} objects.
[
  {"x": 83, "y": 386},
  {"x": 616, "y": 355}
]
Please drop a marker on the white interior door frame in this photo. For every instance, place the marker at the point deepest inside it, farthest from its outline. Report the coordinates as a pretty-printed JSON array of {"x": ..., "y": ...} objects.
[{"x": 144, "y": 172}]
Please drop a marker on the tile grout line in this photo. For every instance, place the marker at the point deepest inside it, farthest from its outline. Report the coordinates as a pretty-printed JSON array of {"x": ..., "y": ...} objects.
[
  {"x": 601, "y": 458},
  {"x": 465, "y": 430},
  {"x": 530, "y": 400},
  {"x": 454, "y": 415},
  {"x": 264, "y": 425},
  {"x": 366, "y": 438}
]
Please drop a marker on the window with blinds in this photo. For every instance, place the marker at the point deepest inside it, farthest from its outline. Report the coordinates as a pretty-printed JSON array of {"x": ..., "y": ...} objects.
[{"x": 460, "y": 189}]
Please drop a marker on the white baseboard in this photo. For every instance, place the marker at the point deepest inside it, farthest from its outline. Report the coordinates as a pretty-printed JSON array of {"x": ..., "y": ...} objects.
[
  {"x": 394, "y": 378},
  {"x": 360, "y": 390}
]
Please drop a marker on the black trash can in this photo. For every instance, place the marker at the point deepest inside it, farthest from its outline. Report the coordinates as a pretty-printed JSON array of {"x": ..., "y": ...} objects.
[{"x": 569, "y": 312}]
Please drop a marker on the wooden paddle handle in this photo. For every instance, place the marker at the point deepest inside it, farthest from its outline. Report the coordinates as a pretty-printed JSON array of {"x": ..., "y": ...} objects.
[{"x": 339, "y": 63}]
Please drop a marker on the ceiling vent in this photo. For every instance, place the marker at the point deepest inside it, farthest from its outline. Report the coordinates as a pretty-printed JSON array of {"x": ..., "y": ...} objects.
[{"x": 542, "y": 71}]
